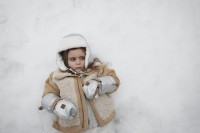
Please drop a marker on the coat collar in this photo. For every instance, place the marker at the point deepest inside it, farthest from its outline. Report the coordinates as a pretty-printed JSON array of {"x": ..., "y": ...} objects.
[{"x": 59, "y": 74}]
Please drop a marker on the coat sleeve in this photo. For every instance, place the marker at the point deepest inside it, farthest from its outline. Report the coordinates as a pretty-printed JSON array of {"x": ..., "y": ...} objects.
[{"x": 50, "y": 87}]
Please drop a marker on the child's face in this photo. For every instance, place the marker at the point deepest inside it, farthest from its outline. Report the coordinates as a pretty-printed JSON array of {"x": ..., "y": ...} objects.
[{"x": 76, "y": 60}]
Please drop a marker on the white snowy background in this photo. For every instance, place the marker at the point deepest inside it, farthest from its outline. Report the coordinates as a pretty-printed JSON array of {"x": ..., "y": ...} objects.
[{"x": 154, "y": 46}]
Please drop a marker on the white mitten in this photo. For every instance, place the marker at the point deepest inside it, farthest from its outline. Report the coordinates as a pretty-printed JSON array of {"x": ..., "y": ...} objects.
[
  {"x": 90, "y": 89},
  {"x": 65, "y": 109},
  {"x": 107, "y": 84}
]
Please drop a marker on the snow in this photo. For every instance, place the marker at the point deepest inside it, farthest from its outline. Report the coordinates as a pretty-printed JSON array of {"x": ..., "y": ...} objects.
[{"x": 152, "y": 45}]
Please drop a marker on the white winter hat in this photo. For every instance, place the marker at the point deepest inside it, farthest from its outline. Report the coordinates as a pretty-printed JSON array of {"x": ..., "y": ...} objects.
[{"x": 69, "y": 42}]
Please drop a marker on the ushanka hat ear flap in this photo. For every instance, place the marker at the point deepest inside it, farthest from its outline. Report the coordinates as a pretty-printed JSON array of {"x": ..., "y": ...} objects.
[
  {"x": 60, "y": 62},
  {"x": 69, "y": 42},
  {"x": 88, "y": 58}
]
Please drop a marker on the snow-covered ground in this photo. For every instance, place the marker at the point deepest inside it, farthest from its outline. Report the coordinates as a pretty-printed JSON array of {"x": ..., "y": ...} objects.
[{"x": 154, "y": 46}]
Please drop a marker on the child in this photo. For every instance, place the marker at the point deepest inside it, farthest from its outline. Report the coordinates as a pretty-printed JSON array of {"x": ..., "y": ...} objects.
[{"x": 78, "y": 93}]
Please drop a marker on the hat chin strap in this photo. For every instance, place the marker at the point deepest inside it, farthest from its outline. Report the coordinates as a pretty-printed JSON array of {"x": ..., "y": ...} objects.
[
  {"x": 81, "y": 73},
  {"x": 71, "y": 70}
]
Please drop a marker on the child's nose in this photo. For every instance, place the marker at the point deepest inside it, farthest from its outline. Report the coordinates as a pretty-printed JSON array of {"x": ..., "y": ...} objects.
[{"x": 78, "y": 61}]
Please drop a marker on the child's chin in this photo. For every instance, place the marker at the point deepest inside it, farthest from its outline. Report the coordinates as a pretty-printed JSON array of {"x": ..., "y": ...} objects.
[{"x": 79, "y": 70}]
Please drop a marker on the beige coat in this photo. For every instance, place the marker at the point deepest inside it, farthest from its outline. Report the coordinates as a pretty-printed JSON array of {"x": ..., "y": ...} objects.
[{"x": 69, "y": 86}]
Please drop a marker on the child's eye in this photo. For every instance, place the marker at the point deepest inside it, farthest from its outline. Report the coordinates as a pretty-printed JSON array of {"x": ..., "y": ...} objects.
[
  {"x": 72, "y": 59},
  {"x": 83, "y": 58}
]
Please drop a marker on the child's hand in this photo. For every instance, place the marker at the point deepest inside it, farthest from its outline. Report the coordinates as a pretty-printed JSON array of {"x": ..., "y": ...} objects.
[
  {"x": 91, "y": 89},
  {"x": 100, "y": 85},
  {"x": 65, "y": 109},
  {"x": 107, "y": 84}
]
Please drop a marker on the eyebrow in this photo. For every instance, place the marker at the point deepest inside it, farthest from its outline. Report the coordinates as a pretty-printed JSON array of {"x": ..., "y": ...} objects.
[{"x": 75, "y": 56}]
